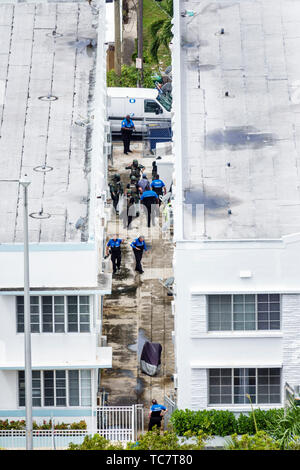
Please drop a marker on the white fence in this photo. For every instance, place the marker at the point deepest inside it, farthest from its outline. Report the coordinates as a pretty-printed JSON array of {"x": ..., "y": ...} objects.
[
  {"x": 115, "y": 423},
  {"x": 42, "y": 439}
]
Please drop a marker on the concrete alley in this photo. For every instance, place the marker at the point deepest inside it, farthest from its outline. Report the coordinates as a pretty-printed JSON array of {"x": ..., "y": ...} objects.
[{"x": 139, "y": 308}]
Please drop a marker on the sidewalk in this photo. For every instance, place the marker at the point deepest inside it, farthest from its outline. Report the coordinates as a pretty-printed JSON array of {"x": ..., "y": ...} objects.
[
  {"x": 138, "y": 308},
  {"x": 129, "y": 33}
]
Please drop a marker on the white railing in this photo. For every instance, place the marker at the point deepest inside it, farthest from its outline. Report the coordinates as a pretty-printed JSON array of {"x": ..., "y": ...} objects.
[
  {"x": 42, "y": 439},
  {"x": 115, "y": 423}
]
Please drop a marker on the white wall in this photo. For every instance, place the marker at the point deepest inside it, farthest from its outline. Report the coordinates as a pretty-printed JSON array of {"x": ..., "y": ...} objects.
[
  {"x": 214, "y": 267},
  {"x": 50, "y": 268}
]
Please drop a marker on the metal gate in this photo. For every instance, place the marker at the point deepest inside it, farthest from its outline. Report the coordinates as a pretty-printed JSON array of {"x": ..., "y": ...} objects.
[{"x": 120, "y": 423}]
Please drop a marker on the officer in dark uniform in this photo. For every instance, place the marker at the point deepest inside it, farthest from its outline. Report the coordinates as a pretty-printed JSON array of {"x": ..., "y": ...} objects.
[
  {"x": 135, "y": 169},
  {"x": 116, "y": 189},
  {"x": 130, "y": 210},
  {"x": 159, "y": 187},
  {"x": 149, "y": 199},
  {"x": 138, "y": 245},
  {"x": 127, "y": 127},
  {"x": 114, "y": 248},
  {"x": 154, "y": 170}
]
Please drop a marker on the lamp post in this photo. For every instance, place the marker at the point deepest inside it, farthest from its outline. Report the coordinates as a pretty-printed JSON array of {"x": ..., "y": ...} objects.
[{"x": 27, "y": 326}]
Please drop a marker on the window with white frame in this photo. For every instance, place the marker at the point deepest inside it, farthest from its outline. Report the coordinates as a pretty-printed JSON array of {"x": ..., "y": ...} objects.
[
  {"x": 234, "y": 386},
  {"x": 58, "y": 388},
  {"x": 56, "y": 313},
  {"x": 244, "y": 312}
]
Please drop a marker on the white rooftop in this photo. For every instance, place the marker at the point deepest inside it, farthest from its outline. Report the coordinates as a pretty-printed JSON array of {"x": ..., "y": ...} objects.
[
  {"x": 241, "y": 151},
  {"x": 34, "y": 63}
]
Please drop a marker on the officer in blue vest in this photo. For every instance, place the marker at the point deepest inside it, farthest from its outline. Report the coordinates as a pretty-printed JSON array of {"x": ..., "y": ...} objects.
[
  {"x": 138, "y": 245},
  {"x": 114, "y": 248},
  {"x": 127, "y": 128},
  {"x": 149, "y": 199},
  {"x": 158, "y": 186}
]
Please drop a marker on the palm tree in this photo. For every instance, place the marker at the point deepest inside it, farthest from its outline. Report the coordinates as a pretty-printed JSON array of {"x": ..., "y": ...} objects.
[{"x": 161, "y": 30}]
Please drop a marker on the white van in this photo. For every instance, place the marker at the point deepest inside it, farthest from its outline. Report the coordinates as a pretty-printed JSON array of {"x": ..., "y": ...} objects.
[{"x": 144, "y": 105}]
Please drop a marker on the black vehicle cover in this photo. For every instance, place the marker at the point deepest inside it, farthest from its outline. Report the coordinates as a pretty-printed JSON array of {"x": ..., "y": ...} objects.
[{"x": 150, "y": 358}]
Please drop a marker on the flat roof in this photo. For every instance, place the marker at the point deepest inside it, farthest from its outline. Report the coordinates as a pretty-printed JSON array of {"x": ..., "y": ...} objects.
[
  {"x": 240, "y": 153},
  {"x": 45, "y": 51}
]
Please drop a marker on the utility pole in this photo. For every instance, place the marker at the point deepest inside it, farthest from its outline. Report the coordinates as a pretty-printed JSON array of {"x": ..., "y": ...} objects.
[
  {"x": 27, "y": 322},
  {"x": 140, "y": 42},
  {"x": 27, "y": 326},
  {"x": 117, "y": 56}
]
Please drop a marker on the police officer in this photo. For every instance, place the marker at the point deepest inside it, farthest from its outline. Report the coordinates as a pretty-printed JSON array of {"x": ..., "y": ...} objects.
[
  {"x": 154, "y": 170},
  {"x": 143, "y": 183},
  {"x": 149, "y": 199},
  {"x": 114, "y": 248},
  {"x": 135, "y": 169},
  {"x": 116, "y": 189},
  {"x": 127, "y": 127},
  {"x": 138, "y": 245},
  {"x": 159, "y": 187}
]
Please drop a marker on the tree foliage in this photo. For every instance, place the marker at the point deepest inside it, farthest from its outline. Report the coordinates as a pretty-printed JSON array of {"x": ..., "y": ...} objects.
[
  {"x": 161, "y": 31},
  {"x": 129, "y": 77}
]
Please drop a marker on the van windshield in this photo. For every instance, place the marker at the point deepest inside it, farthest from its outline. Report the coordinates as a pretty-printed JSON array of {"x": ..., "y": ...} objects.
[{"x": 165, "y": 99}]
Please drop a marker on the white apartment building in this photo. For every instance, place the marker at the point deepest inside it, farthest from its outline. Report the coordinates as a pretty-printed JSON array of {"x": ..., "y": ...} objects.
[
  {"x": 52, "y": 129},
  {"x": 237, "y": 216}
]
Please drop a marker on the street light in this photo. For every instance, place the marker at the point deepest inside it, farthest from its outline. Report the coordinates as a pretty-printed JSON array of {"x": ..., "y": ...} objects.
[{"x": 27, "y": 326}]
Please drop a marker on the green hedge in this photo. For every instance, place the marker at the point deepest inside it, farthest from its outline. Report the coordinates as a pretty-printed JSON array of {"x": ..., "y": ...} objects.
[
  {"x": 223, "y": 423},
  {"x": 21, "y": 424}
]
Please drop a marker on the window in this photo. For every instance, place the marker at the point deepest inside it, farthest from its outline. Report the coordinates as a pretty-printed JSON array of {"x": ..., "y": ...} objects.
[
  {"x": 55, "y": 388},
  {"x": 34, "y": 314},
  {"x": 58, "y": 388},
  {"x": 244, "y": 312},
  {"x": 36, "y": 388},
  {"x": 51, "y": 314},
  {"x": 231, "y": 386},
  {"x": 151, "y": 106}
]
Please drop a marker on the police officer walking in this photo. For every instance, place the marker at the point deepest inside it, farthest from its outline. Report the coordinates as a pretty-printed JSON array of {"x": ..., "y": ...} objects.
[
  {"x": 138, "y": 245},
  {"x": 159, "y": 187},
  {"x": 127, "y": 127},
  {"x": 116, "y": 189},
  {"x": 114, "y": 248},
  {"x": 149, "y": 199}
]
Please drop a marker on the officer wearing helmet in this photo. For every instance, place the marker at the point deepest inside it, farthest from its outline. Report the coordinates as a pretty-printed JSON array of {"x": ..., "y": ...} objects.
[
  {"x": 135, "y": 169},
  {"x": 116, "y": 189}
]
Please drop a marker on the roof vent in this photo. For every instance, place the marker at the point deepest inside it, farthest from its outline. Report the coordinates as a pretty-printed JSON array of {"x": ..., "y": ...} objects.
[{"x": 48, "y": 97}]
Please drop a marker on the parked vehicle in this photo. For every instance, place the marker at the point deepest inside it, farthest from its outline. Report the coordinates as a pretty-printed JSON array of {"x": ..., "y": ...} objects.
[{"x": 144, "y": 105}]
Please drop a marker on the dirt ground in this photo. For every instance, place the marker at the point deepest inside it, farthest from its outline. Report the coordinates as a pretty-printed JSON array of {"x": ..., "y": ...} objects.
[{"x": 139, "y": 308}]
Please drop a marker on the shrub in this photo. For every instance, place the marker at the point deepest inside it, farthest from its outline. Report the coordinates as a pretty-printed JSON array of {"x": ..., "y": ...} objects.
[
  {"x": 211, "y": 422},
  {"x": 224, "y": 423},
  {"x": 129, "y": 77},
  {"x": 286, "y": 429},
  {"x": 259, "y": 441},
  {"x": 265, "y": 420},
  {"x": 168, "y": 440},
  {"x": 21, "y": 424},
  {"x": 95, "y": 442}
]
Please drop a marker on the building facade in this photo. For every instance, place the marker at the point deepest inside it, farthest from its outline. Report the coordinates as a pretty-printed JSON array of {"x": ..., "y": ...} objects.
[
  {"x": 53, "y": 131},
  {"x": 237, "y": 225}
]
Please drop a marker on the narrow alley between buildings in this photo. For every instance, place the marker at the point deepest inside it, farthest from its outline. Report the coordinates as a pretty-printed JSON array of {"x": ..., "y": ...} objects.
[{"x": 139, "y": 308}]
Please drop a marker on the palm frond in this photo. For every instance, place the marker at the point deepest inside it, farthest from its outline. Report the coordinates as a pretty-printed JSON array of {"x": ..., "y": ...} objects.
[
  {"x": 156, "y": 26},
  {"x": 154, "y": 46}
]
